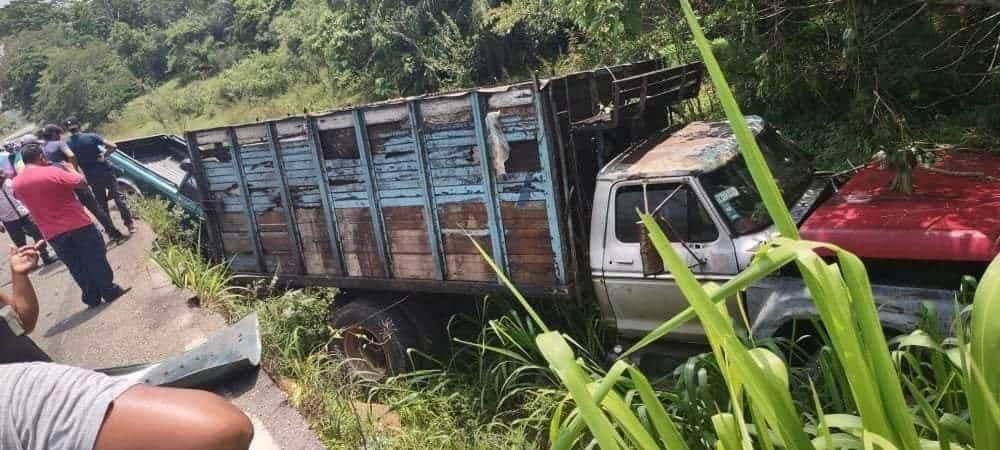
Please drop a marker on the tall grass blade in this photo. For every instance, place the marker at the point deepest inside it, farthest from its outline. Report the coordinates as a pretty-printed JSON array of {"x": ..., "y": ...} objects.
[
  {"x": 984, "y": 344},
  {"x": 759, "y": 170},
  {"x": 560, "y": 357},
  {"x": 669, "y": 436},
  {"x": 764, "y": 388}
]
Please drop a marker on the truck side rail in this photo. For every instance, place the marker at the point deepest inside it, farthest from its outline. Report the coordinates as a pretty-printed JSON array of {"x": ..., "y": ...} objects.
[{"x": 387, "y": 196}]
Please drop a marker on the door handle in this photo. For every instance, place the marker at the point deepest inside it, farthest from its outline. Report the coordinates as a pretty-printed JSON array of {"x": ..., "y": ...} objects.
[{"x": 625, "y": 262}]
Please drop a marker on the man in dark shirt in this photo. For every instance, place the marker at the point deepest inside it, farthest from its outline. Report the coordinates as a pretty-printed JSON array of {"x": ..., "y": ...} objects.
[{"x": 98, "y": 171}]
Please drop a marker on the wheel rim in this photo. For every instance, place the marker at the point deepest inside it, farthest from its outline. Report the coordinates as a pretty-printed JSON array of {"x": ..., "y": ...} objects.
[
  {"x": 367, "y": 355},
  {"x": 127, "y": 190}
]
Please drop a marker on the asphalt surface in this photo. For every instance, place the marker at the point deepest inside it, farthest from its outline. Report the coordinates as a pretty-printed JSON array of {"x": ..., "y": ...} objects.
[{"x": 152, "y": 322}]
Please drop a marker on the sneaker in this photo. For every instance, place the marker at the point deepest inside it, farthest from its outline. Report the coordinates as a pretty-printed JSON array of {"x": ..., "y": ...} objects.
[
  {"x": 49, "y": 260},
  {"x": 118, "y": 294},
  {"x": 131, "y": 229},
  {"x": 116, "y": 238}
]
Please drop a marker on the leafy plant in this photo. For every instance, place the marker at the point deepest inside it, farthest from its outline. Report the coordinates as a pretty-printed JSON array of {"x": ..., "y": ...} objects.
[{"x": 762, "y": 412}]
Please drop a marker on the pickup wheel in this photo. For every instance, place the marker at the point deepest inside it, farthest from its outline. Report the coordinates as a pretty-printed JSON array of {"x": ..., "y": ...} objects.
[
  {"x": 128, "y": 188},
  {"x": 374, "y": 338}
]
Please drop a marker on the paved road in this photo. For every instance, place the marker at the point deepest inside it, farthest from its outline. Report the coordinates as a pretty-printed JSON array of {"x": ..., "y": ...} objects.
[{"x": 151, "y": 322}]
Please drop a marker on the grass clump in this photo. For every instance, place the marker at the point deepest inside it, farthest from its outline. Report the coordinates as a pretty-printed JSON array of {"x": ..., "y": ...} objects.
[{"x": 178, "y": 253}]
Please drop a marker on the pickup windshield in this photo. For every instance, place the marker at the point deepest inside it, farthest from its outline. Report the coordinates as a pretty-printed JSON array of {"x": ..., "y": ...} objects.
[{"x": 732, "y": 190}]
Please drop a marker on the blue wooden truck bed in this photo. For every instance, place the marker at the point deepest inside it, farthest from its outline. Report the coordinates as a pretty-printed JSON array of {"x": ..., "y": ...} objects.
[{"x": 390, "y": 195}]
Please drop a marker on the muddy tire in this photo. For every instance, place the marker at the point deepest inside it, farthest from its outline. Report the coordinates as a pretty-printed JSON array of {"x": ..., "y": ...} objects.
[{"x": 373, "y": 338}]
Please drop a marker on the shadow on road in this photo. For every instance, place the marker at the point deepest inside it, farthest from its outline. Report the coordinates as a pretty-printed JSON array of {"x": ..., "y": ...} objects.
[{"x": 78, "y": 318}]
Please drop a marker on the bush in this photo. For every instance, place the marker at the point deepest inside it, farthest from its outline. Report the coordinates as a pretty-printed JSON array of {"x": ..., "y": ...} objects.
[{"x": 258, "y": 77}]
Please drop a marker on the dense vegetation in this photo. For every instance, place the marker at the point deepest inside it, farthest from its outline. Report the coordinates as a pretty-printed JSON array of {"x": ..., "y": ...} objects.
[{"x": 845, "y": 76}]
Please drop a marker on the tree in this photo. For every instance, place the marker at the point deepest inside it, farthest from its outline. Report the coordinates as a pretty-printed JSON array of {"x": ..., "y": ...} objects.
[
  {"x": 19, "y": 76},
  {"x": 89, "y": 83},
  {"x": 22, "y": 15},
  {"x": 144, "y": 50}
]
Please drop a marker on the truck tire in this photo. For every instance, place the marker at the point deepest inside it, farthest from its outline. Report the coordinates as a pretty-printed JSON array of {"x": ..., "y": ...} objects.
[
  {"x": 128, "y": 188},
  {"x": 374, "y": 338}
]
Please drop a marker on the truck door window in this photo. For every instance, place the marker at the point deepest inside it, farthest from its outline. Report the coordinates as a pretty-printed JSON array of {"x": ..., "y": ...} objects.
[{"x": 681, "y": 217}]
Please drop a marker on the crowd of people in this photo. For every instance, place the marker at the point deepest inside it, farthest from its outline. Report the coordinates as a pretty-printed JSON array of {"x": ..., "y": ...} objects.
[{"x": 49, "y": 185}]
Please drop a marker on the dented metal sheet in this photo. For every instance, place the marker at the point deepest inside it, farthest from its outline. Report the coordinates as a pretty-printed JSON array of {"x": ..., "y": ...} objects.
[{"x": 699, "y": 147}]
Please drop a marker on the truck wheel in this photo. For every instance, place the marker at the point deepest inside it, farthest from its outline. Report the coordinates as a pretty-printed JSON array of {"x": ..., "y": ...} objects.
[{"x": 374, "y": 339}]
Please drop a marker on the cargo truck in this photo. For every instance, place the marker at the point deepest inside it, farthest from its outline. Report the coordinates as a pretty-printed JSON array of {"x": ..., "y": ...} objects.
[{"x": 384, "y": 200}]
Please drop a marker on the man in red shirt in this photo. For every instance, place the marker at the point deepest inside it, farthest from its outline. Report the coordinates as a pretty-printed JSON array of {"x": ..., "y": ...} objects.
[{"x": 48, "y": 192}]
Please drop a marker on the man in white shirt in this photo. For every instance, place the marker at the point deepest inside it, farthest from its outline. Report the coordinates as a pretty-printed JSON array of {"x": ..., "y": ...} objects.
[{"x": 17, "y": 221}]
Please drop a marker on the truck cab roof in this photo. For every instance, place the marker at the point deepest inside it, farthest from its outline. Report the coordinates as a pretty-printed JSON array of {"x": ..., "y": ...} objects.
[{"x": 697, "y": 148}]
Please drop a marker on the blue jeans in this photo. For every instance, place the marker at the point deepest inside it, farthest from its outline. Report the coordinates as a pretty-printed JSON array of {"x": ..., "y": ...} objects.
[{"x": 83, "y": 252}]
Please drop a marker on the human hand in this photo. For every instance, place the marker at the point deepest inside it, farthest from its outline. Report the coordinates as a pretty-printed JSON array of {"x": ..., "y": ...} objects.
[{"x": 25, "y": 259}]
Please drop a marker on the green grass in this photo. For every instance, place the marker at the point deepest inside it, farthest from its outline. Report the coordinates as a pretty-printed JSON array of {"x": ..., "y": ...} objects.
[{"x": 174, "y": 107}]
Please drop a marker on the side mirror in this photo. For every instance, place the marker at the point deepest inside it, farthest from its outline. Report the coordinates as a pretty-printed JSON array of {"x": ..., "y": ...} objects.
[
  {"x": 652, "y": 264},
  {"x": 186, "y": 166}
]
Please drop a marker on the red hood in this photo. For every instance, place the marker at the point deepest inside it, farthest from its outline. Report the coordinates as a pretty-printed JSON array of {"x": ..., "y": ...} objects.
[{"x": 946, "y": 218}]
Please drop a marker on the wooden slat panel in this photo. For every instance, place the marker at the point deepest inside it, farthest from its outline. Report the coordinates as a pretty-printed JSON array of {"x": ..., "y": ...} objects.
[
  {"x": 468, "y": 215},
  {"x": 409, "y": 243},
  {"x": 316, "y": 251},
  {"x": 358, "y": 242}
]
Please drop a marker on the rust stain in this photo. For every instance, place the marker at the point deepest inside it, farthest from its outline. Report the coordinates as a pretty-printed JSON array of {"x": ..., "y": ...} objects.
[{"x": 697, "y": 148}]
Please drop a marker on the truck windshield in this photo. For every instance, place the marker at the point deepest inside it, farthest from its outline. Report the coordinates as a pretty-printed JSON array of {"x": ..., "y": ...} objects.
[{"x": 732, "y": 190}]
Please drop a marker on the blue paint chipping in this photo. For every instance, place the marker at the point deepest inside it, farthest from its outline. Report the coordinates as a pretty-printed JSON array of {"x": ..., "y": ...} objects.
[
  {"x": 549, "y": 189},
  {"x": 400, "y": 162},
  {"x": 323, "y": 197},
  {"x": 378, "y": 222},
  {"x": 489, "y": 189},
  {"x": 426, "y": 184},
  {"x": 286, "y": 197},
  {"x": 248, "y": 206}
]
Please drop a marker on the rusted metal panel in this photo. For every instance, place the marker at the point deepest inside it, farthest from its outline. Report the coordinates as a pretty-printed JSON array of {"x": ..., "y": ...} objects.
[{"x": 699, "y": 147}]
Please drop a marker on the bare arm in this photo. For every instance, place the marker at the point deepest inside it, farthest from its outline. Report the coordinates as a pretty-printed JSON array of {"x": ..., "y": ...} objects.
[
  {"x": 23, "y": 302},
  {"x": 111, "y": 147}
]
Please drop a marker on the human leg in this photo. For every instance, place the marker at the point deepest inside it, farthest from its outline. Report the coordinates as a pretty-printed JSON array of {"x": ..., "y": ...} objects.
[
  {"x": 100, "y": 189},
  {"x": 87, "y": 197},
  {"x": 95, "y": 258},
  {"x": 31, "y": 229},
  {"x": 66, "y": 247},
  {"x": 110, "y": 185},
  {"x": 156, "y": 418}
]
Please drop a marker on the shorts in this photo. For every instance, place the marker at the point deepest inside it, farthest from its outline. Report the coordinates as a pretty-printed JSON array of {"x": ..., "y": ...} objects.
[{"x": 54, "y": 407}]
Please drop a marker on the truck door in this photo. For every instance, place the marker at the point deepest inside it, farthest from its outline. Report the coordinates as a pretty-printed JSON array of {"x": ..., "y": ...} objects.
[{"x": 643, "y": 300}]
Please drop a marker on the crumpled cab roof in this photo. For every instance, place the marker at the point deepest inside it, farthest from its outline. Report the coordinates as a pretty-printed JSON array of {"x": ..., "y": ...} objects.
[
  {"x": 698, "y": 147},
  {"x": 952, "y": 214}
]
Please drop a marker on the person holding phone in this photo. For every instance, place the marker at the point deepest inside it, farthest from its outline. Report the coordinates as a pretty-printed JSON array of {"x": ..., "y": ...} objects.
[{"x": 50, "y": 406}]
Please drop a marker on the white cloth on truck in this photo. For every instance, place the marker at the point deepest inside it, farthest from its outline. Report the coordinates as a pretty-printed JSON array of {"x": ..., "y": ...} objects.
[{"x": 498, "y": 143}]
